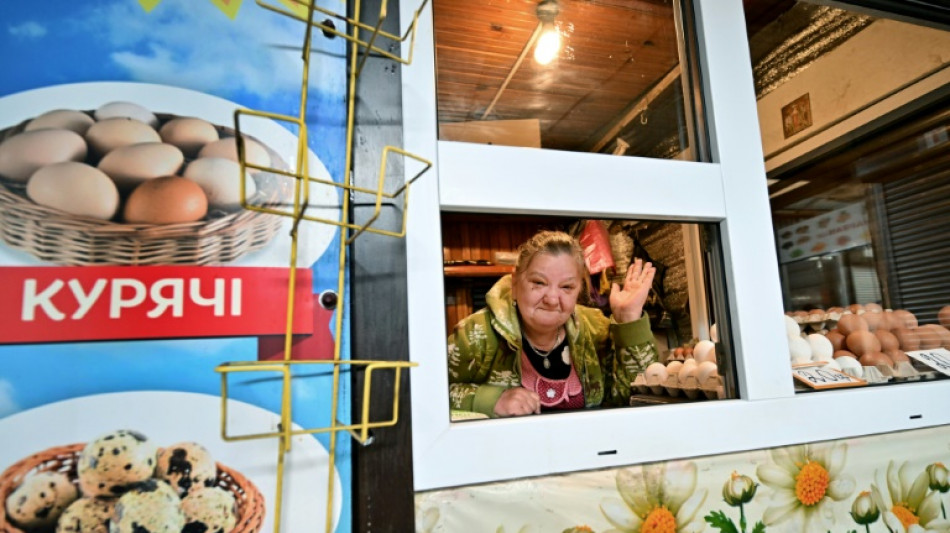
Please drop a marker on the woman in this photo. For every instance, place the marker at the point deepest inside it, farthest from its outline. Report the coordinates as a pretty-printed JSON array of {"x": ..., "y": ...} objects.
[{"x": 533, "y": 347}]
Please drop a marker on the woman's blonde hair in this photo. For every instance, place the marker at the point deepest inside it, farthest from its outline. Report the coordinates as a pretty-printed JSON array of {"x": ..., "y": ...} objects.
[{"x": 555, "y": 243}]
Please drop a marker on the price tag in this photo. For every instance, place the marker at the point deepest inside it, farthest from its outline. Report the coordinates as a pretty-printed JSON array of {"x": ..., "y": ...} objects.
[
  {"x": 937, "y": 359},
  {"x": 818, "y": 377}
]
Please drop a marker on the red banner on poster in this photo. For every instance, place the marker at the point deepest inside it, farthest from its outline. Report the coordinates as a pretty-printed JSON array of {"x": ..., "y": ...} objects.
[{"x": 55, "y": 304}]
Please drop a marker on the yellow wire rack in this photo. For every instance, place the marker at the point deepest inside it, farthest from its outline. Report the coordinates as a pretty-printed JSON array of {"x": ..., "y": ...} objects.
[{"x": 301, "y": 196}]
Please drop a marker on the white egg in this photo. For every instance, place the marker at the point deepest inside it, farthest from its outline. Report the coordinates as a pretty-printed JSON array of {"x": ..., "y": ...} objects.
[
  {"x": 821, "y": 348},
  {"x": 689, "y": 372},
  {"x": 62, "y": 119},
  {"x": 674, "y": 367},
  {"x": 687, "y": 364},
  {"x": 126, "y": 110},
  {"x": 706, "y": 370},
  {"x": 221, "y": 180},
  {"x": 791, "y": 327},
  {"x": 850, "y": 365},
  {"x": 798, "y": 348},
  {"x": 832, "y": 363},
  {"x": 704, "y": 351},
  {"x": 656, "y": 373}
]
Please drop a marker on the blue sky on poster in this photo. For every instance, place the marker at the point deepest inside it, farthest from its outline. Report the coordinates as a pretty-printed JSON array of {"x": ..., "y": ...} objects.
[
  {"x": 253, "y": 60},
  {"x": 85, "y": 369}
]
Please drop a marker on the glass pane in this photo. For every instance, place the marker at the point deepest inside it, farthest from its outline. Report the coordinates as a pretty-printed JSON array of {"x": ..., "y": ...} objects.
[
  {"x": 603, "y": 76},
  {"x": 855, "y": 137},
  {"x": 869, "y": 239},
  {"x": 692, "y": 362}
]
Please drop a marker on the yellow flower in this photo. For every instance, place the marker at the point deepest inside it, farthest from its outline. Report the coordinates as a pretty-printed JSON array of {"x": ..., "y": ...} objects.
[
  {"x": 907, "y": 506},
  {"x": 805, "y": 480},
  {"x": 660, "y": 498}
]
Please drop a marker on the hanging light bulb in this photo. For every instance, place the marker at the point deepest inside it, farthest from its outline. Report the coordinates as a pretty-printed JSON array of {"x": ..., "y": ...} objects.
[
  {"x": 549, "y": 42},
  {"x": 549, "y": 45}
]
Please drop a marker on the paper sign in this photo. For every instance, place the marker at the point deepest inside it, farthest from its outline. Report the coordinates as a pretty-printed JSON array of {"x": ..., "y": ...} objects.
[
  {"x": 817, "y": 377},
  {"x": 937, "y": 359}
]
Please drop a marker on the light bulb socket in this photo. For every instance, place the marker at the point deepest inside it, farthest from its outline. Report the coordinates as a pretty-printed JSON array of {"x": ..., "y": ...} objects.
[{"x": 547, "y": 11}]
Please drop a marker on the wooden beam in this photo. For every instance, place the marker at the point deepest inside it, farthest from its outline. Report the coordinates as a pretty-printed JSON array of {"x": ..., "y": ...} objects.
[{"x": 610, "y": 132}]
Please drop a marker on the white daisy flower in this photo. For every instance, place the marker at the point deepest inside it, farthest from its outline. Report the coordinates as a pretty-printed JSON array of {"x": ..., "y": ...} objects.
[
  {"x": 805, "y": 480},
  {"x": 907, "y": 505},
  {"x": 659, "y": 498}
]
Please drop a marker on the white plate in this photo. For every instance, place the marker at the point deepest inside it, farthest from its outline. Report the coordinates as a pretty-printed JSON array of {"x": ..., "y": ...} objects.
[
  {"x": 314, "y": 237},
  {"x": 171, "y": 417}
]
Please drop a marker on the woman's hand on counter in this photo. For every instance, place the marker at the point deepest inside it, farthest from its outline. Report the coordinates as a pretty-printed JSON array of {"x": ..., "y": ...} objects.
[{"x": 518, "y": 401}]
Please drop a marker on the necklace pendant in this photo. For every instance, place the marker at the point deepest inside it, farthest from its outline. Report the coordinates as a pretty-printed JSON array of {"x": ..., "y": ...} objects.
[{"x": 547, "y": 364}]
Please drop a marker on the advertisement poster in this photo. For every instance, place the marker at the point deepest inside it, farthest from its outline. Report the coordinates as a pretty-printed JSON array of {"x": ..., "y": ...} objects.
[
  {"x": 129, "y": 270},
  {"x": 833, "y": 231}
]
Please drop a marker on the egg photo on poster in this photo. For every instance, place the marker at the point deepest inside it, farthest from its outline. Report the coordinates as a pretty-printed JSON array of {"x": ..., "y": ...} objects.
[
  {"x": 143, "y": 174},
  {"x": 144, "y": 470}
]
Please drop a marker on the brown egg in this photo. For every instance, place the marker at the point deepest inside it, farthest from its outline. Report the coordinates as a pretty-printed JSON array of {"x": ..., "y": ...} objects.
[
  {"x": 873, "y": 308},
  {"x": 907, "y": 318},
  {"x": 874, "y": 319},
  {"x": 166, "y": 200},
  {"x": 130, "y": 165},
  {"x": 931, "y": 336},
  {"x": 907, "y": 338},
  {"x": 848, "y": 324},
  {"x": 23, "y": 154},
  {"x": 188, "y": 134},
  {"x": 107, "y": 135},
  {"x": 836, "y": 339},
  {"x": 75, "y": 188},
  {"x": 842, "y": 353},
  {"x": 891, "y": 322},
  {"x": 897, "y": 356},
  {"x": 856, "y": 309},
  {"x": 875, "y": 358},
  {"x": 944, "y": 316},
  {"x": 888, "y": 340},
  {"x": 62, "y": 119},
  {"x": 862, "y": 342},
  {"x": 254, "y": 154}
]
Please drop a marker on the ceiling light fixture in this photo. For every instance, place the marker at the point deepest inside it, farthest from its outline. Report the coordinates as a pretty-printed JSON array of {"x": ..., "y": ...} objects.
[
  {"x": 546, "y": 11},
  {"x": 549, "y": 43}
]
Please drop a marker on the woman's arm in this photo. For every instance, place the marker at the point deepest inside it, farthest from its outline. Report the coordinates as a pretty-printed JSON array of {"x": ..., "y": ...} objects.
[{"x": 472, "y": 352}]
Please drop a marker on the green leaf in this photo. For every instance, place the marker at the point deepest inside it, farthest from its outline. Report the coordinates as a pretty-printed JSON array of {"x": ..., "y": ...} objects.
[
  {"x": 758, "y": 528},
  {"x": 720, "y": 521}
]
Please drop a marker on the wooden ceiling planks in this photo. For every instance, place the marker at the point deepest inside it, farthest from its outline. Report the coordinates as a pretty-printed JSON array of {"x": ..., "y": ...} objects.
[{"x": 613, "y": 51}]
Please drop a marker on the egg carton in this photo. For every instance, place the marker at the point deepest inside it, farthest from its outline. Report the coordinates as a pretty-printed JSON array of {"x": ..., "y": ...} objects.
[
  {"x": 711, "y": 389},
  {"x": 902, "y": 371}
]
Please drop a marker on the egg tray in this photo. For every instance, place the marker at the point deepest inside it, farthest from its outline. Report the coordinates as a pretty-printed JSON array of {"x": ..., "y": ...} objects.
[
  {"x": 250, "y": 502},
  {"x": 62, "y": 238},
  {"x": 711, "y": 389}
]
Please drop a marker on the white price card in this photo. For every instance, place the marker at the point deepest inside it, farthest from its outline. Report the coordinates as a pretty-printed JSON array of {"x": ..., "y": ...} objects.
[
  {"x": 818, "y": 377},
  {"x": 937, "y": 359}
]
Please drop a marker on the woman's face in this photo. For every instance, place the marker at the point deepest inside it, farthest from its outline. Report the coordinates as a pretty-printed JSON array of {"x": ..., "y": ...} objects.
[{"x": 547, "y": 291}]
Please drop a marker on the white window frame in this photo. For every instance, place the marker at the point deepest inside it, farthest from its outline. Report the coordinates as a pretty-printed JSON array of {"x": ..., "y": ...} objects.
[{"x": 731, "y": 191}]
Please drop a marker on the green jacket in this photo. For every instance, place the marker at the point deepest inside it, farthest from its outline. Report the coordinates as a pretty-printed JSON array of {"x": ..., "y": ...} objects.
[{"x": 484, "y": 354}]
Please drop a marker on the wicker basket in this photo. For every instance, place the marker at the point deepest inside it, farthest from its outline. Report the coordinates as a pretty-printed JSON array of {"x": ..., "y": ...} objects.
[
  {"x": 250, "y": 502},
  {"x": 52, "y": 235}
]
